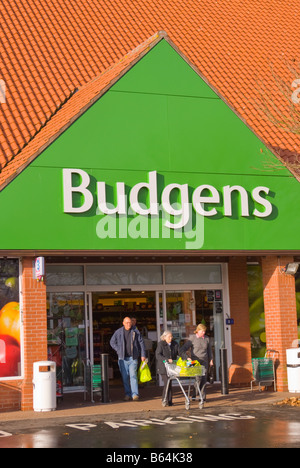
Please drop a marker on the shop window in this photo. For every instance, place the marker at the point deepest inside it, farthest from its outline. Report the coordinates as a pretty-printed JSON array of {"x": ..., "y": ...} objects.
[
  {"x": 64, "y": 275},
  {"x": 10, "y": 343},
  {"x": 123, "y": 274},
  {"x": 256, "y": 311},
  {"x": 66, "y": 338},
  {"x": 193, "y": 274}
]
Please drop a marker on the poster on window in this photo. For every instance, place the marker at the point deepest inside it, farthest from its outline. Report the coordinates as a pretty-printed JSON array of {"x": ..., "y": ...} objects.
[{"x": 10, "y": 339}]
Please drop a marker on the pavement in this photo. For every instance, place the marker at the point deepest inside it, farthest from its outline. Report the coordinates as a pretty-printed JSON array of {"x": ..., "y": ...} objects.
[{"x": 73, "y": 405}]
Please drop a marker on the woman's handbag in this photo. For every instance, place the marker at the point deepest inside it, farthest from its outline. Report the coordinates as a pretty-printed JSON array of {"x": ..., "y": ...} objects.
[{"x": 211, "y": 375}]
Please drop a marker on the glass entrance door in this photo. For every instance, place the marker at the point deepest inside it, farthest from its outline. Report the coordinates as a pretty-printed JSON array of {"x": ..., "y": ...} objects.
[
  {"x": 160, "y": 297},
  {"x": 186, "y": 309},
  {"x": 71, "y": 343},
  {"x": 108, "y": 309},
  {"x": 181, "y": 318},
  {"x": 209, "y": 311},
  {"x": 67, "y": 338}
]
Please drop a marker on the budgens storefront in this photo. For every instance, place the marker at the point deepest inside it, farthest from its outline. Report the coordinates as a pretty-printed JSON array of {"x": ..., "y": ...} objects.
[{"x": 147, "y": 196}]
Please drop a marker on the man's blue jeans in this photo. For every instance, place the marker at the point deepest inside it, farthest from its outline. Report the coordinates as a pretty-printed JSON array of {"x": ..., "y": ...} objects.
[{"x": 128, "y": 368}]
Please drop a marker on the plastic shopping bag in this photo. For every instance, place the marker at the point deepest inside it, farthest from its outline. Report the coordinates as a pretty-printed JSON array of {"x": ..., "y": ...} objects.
[
  {"x": 181, "y": 363},
  {"x": 188, "y": 363},
  {"x": 144, "y": 374},
  {"x": 189, "y": 368},
  {"x": 172, "y": 369}
]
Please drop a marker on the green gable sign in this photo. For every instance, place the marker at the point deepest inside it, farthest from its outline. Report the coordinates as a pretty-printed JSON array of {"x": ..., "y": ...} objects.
[{"x": 159, "y": 162}]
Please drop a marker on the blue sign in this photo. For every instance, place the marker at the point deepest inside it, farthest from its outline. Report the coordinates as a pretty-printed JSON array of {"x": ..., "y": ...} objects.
[{"x": 230, "y": 321}]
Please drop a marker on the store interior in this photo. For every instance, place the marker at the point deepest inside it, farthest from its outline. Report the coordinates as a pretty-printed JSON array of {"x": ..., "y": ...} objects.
[
  {"x": 67, "y": 328},
  {"x": 109, "y": 310}
]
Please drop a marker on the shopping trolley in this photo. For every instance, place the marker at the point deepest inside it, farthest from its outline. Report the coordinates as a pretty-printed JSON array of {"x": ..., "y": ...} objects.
[
  {"x": 190, "y": 374},
  {"x": 264, "y": 370}
]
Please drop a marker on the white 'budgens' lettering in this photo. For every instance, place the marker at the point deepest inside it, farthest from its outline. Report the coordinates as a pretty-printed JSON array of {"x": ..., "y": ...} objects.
[
  {"x": 178, "y": 211},
  {"x": 199, "y": 201},
  {"x": 81, "y": 189},
  {"x": 227, "y": 191},
  {"x": 262, "y": 201},
  {"x": 182, "y": 210},
  {"x": 152, "y": 189},
  {"x": 120, "y": 207}
]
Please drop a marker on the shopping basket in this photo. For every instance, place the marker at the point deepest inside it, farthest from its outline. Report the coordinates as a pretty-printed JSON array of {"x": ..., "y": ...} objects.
[{"x": 264, "y": 370}]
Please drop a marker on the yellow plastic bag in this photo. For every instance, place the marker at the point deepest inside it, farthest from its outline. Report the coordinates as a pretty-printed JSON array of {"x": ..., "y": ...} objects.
[
  {"x": 144, "y": 374},
  {"x": 187, "y": 363},
  {"x": 181, "y": 363},
  {"x": 189, "y": 369}
]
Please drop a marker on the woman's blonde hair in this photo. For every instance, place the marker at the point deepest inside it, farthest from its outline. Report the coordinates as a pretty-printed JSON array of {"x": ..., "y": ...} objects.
[
  {"x": 165, "y": 334},
  {"x": 200, "y": 327}
]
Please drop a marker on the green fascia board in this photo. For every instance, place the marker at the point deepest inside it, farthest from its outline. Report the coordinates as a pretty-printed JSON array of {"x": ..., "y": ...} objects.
[
  {"x": 160, "y": 116},
  {"x": 164, "y": 72}
]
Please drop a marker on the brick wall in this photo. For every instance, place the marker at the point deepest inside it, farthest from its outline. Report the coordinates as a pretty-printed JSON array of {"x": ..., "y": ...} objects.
[
  {"x": 34, "y": 329},
  {"x": 10, "y": 395},
  {"x": 280, "y": 311}
]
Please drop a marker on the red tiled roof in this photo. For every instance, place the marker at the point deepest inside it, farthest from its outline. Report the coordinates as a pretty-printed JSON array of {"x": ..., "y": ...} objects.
[
  {"x": 73, "y": 108},
  {"x": 51, "y": 48}
]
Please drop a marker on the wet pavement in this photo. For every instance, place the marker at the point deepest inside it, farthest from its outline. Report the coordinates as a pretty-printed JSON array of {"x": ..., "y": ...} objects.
[{"x": 242, "y": 419}]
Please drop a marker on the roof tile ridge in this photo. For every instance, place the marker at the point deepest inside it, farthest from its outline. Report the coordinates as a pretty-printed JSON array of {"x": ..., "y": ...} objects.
[{"x": 128, "y": 57}]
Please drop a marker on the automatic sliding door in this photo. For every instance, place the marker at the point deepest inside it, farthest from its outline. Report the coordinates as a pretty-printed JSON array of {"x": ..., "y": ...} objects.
[
  {"x": 108, "y": 311},
  {"x": 181, "y": 314},
  {"x": 67, "y": 338},
  {"x": 186, "y": 309},
  {"x": 209, "y": 311}
]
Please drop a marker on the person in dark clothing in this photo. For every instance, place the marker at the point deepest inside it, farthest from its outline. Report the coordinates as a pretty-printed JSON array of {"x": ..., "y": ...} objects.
[
  {"x": 129, "y": 345},
  {"x": 167, "y": 350}
]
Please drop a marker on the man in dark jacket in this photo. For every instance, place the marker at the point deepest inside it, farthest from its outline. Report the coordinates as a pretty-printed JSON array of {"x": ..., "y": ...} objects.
[{"x": 129, "y": 346}]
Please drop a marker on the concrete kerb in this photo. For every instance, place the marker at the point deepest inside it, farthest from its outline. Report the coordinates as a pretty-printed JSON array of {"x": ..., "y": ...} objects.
[{"x": 149, "y": 402}]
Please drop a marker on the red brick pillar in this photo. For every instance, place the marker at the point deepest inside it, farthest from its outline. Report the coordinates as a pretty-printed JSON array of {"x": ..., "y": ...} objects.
[
  {"x": 34, "y": 309},
  {"x": 240, "y": 370},
  {"x": 280, "y": 311}
]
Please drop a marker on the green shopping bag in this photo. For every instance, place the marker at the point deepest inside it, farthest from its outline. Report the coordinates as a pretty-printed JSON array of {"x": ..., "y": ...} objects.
[{"x": 144, "y": 374}]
